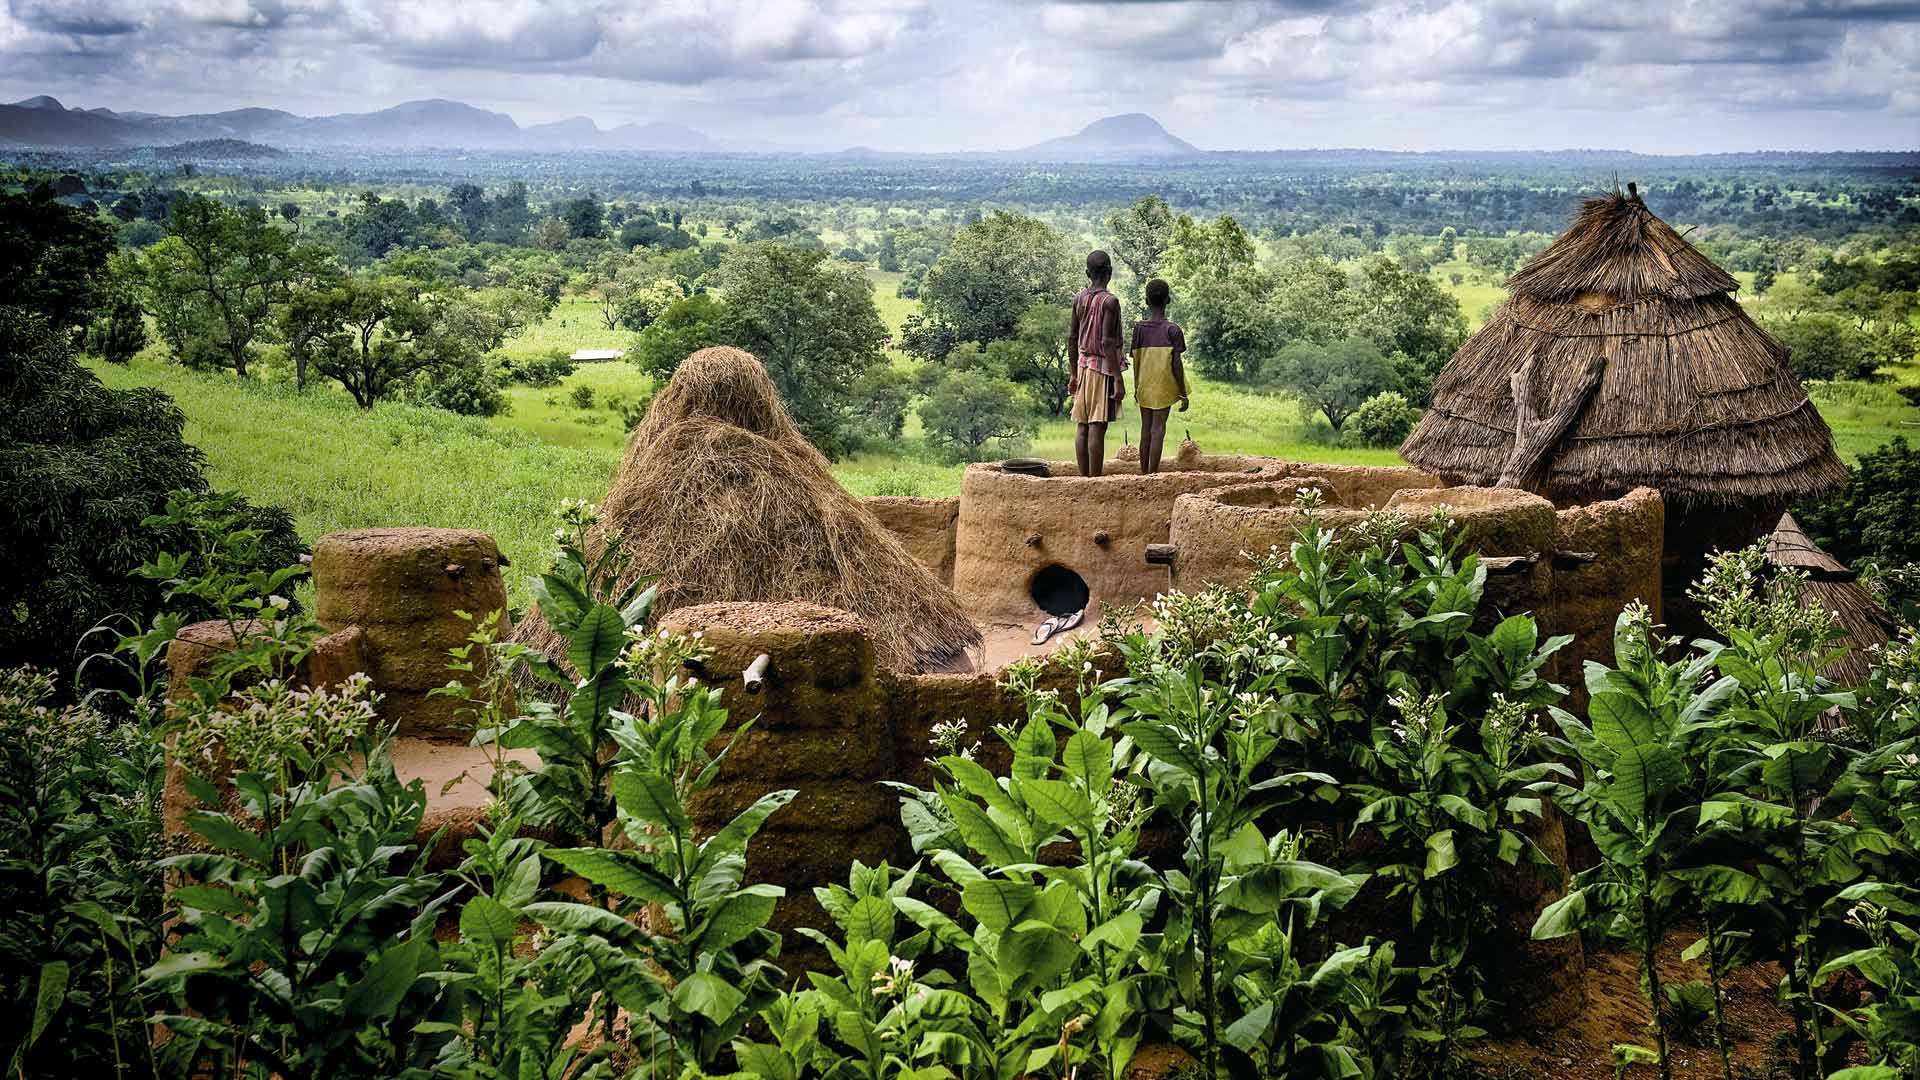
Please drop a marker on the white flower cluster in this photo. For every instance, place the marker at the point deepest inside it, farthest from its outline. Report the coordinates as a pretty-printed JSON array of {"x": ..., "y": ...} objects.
[
  {"x": 949, "y": 737},
  {"x": 659, "y": 655},
  {"x": 270, "y": 727}
]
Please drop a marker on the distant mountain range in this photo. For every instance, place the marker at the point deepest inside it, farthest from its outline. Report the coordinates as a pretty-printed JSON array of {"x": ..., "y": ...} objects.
[
  {"x": 44, "y": 122},
  {"x": 453, "y": 125}
]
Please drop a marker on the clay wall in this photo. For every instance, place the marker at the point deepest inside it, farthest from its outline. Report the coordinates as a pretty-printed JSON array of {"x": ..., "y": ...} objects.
[
  {"x": 1625, "y": 536},
  {"x": 1011, "y": 526},
  {"x": 926, "y": 527}
]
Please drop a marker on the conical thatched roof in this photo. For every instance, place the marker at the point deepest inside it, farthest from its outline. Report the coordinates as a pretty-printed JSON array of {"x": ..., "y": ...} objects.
[
  {"x": 1623, "y": 359},
  {"x": 1832, "y": 586},
  {"x": 721, "y": 496}
]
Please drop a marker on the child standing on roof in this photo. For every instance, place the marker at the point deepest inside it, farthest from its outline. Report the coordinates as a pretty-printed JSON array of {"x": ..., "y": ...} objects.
[
  {"x": 1095, "y": 380},
  {"x": 1158, "y": 379}
]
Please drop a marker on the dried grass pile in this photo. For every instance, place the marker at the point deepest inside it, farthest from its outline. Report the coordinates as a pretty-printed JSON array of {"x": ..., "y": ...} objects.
[
  {"x": 1831, "y": 585},
  {"x": 1622, "y": 359},
  {"x": 722, "y": 497}
]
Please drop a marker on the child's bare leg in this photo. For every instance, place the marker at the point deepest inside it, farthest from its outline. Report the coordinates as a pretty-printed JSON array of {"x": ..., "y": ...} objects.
[
  {"x": 1080, "y": 448},
  {"x": 1091, "y": 447},
  {"x": 1153, "y": 437}
]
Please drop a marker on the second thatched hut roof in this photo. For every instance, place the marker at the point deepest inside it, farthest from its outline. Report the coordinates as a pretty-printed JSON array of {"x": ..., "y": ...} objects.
[
  {"x": 1830, "y": 585},
  {"x": 1622, "y": 359}
]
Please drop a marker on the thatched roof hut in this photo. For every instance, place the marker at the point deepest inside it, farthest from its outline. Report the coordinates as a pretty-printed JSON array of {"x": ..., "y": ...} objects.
[
  {"x": 1834, "y": 587},
  {"x": 721, "y": 496},
  {"x": 1622, "y": 359}
]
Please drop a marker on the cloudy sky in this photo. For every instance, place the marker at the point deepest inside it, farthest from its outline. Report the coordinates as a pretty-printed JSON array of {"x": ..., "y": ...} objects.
[{"x": 1665, "y": 76}]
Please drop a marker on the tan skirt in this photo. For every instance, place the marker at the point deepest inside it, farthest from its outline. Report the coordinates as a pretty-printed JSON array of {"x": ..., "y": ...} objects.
[{"x": 1094, "y": 402}]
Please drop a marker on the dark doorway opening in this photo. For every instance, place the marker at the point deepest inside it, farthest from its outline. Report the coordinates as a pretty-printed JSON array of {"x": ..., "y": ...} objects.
[{"x": 1059, "y": 591}]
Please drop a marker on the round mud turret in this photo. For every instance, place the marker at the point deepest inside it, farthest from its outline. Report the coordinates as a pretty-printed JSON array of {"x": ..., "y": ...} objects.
[
  {"x": 1214, "y": 532},
  {"x": 821, "y": 727},
  {"x": 1013, "y": 527},
  {"x": 405, "y": 588}
]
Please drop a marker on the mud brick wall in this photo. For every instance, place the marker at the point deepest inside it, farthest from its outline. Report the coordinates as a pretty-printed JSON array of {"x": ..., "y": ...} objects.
[{"x": 925, "y": 527}]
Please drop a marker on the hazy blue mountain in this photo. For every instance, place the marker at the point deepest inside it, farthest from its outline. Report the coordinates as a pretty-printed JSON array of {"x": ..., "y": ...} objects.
[
  {"x": 1130, "y": 135},
  {"x": 437, "y": 123},
  {"x": 573, "y": 133},
  {"x": 657, "y": 135}
]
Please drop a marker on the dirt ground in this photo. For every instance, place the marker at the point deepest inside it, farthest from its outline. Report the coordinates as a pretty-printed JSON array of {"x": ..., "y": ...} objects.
[{"x": 1616, "y": 1012}]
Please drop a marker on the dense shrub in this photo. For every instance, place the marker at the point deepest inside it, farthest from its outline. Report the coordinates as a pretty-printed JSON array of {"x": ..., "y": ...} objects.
[
  {"x": 467, "y": 387},
  {"x": 967, "y": 410},
  {"x": 1873, "y": 516},
  {"x": 81, "y": 468},
  {"x": 538, "y": 371},
  {"x": 1383, "y": 420}
]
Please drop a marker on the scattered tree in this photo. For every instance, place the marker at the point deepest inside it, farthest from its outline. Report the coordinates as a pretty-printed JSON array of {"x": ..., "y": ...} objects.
[
  {"x": 968, "y": 409},
  {"x": 994, "y": 270},
  {"x": 1333, "y": 379}
]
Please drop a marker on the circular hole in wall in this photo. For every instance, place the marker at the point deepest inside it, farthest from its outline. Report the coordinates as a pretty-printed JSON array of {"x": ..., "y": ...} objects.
[{"x": 1059, "y": 591}]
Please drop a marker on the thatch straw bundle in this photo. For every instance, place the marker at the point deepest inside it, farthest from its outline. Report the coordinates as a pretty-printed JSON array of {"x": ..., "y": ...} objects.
[
  {"x": 1834, "y": 587},
  {"x": 1622, "y": 359},
  {"x": 721, "y": 496}
]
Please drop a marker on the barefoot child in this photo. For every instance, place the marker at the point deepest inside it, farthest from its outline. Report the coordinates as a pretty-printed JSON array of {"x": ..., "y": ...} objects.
[
  {"x": 1094, "y": 381},
  {"x": 1158, "y": 378}
]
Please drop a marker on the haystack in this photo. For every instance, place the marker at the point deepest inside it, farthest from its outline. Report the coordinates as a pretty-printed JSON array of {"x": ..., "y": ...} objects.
[
  {"x": 722, "y": 497},
  {"x": 1834, "y": 587},
  {"x": 1622, "y": 359}
]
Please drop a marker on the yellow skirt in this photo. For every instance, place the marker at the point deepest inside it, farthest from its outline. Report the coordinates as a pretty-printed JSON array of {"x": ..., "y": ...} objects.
[
  {"x": 1154, "y": 386},
  {"x": 1094, "y": 402}
]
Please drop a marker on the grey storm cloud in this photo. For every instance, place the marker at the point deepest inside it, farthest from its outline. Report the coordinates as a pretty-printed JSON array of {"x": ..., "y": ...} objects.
[{"x": 921, "y": 74}]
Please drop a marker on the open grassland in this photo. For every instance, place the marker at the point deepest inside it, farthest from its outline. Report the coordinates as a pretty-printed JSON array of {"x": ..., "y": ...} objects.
[{"x": 336, "y": 467}]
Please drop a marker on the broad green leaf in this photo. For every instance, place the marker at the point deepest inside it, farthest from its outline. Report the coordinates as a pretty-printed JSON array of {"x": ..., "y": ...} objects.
[
  {"x": 736, "y": 917},
  {"x": 378, "y": 992},
  {"x": 621, "y": 871},
  {"x": 485, "y": 921},
  {"x": 1642, "y": 776},
  {"x": 1057, "y": 802},
  {"x": 1163, "y": 745},
  {"x": 869, "y": 919},
  {"x": 221, "y": 831},
  {"x": 574, "y": 918},
  {"x": 705, "y": 994},
  {"x": 766, "y": 1061},
  {"x": 1089, "y": 758},
  {"x": 733, "y": 837},
  {"x": 1247, "y": 1032},
  {"x": 1562, "y": 917},
  {"x": 650, "y": 797},
  {"x": 50, "y": 992},
  {"x": 1441, "y": 856},
  {"x": 597, "y": 641},
  {"x": 1620, "y": 721},
  {"x": 979, "y": 831},
  {"x": 997, "y": 903},
  {"x": 944, "y": 930},
  {"x": 1120, "y": 933}
]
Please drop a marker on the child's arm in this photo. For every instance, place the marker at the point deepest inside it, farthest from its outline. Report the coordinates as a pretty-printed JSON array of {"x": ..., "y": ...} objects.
[
  {"x": 1073, "y": 347},
  {"x": 1179, "y": 371}
]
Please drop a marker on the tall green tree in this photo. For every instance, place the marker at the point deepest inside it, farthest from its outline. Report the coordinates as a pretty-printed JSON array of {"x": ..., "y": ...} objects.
[
  {"x": 1333, "y": 379},
  {"x": 813, "y": 323},
  {"x": 51, "y": 256},
  {"x": 994, "y": 270},
  {"x": 1142, "y": 235},
  {"x": 214, "y": 282}
]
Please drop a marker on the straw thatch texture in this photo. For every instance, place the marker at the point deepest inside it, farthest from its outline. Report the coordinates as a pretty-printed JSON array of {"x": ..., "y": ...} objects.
[
  {"x": 1624, "y": 360},
  {"x": 721, "y": 496},
  {"x": 1832, "y": 586}
]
